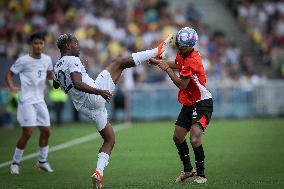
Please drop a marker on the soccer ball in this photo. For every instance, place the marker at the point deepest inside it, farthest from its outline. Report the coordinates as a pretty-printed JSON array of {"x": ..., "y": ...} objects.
[{"x": 186, "y": 37}]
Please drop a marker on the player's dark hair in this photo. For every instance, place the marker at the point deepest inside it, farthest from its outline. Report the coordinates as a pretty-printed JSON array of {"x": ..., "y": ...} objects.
[
  {"x": 38, "y": 35},
  {"x": 63, "y": 40}
]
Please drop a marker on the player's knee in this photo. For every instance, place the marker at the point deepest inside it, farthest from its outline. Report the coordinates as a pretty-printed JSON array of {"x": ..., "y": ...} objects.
[
  {"x": 195, "y": 135},
  {"x": 109, "y": 139},
  {"x": 27, "y": 133},
  {"x": 195, "y": 140},
  {"x": 45, "y": 133},
  {"x": 177, "y": 139}
]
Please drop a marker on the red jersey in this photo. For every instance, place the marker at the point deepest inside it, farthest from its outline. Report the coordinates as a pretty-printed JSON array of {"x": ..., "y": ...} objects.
[{"x": 191, "y": 66}]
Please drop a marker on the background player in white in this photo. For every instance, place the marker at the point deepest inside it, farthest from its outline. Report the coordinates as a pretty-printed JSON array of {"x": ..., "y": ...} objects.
[
  {"x": 89, "y": 96},
  {"x": 33, "y": 68}
]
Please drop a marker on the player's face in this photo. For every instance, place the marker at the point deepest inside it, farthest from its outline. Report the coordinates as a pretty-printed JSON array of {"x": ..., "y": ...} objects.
[
  {"x": 184, "y": 50},
  {"x": 37, "y": 46},
  {"x": 75, "y": 48}
]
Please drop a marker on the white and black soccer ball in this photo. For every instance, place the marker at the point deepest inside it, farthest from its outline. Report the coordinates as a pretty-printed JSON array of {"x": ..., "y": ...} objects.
[{"x": 186, "y": 37}]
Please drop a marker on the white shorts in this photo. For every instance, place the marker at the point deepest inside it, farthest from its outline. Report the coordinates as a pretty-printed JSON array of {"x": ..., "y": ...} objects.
[
  {"x": 31, "y": 115},
  {"x": 94, "y": 105}
]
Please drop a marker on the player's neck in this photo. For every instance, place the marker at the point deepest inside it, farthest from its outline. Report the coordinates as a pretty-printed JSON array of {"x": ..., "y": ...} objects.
[
  {"x": 36, "y": 56},
  {"x": 65, "y": 54},
  {"x": 187, "y": 53}
]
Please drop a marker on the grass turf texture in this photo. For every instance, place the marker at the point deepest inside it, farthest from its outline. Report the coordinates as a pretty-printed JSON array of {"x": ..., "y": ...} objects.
[{"x": 239, "y": 154}]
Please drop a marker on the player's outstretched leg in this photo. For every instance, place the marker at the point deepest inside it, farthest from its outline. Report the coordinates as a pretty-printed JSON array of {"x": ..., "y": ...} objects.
[
  {"x": 119, "y": 64},
  {"x": 21, "y": 144},
  {"x": 164, "y": 46},
  {"x": 195, "y": 140},
  {"x": 103, "y": 157}
]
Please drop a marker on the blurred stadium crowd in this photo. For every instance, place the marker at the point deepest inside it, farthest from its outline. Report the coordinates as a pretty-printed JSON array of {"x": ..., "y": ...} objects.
[
  {"x": 263, "y": 20},
  {"x": 110, "y": 28}
]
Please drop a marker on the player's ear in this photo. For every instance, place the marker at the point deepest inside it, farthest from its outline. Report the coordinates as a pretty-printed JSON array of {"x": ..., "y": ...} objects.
[{"x": 67, "y": 46}]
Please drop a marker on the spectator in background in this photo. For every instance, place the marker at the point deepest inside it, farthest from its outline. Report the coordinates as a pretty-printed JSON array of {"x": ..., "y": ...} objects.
[
  {"x": 7, "y": 109},
  {"x": 58, "y": 99},
  {"x": 264, "y": 22},
  {"x": 105, "y": 29}
]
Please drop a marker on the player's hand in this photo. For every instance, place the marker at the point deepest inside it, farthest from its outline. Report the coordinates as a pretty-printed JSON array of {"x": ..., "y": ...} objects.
[
  {"x": 163, "y": 65},
  {"x": 14, "y": 89},
  {"x": 106, "y": 95},
  {"x": 153, "y": 61}
]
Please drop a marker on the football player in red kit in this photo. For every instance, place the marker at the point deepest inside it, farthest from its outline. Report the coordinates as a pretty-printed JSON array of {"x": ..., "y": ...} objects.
[{"x": 196, "y": 100}]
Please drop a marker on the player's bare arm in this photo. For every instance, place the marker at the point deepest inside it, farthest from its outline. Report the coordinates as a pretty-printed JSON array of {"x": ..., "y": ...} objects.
[
  {"x": 181, "y": 82},
  {"x": 10, "y": 82},
  {"x": 155, "y": 62},
  {"x": 49, "y": 75},
  {"x": 76, "y": 78}
]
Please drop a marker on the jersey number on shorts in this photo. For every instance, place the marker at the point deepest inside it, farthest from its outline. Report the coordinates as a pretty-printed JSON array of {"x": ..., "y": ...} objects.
[{"x": 61, "y": 77}]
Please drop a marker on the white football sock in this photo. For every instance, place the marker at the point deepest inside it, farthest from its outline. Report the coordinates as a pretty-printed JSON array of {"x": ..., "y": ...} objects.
[
  {"x": 18, "y": 155},
  {"x": 142, "y": 56},
  {"x": 102, "y": 162},
  {"x": 43, "y": 153}
]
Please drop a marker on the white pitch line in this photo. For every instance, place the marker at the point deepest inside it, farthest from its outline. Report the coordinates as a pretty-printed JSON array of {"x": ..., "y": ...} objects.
[{"x": 70, "y": 143}]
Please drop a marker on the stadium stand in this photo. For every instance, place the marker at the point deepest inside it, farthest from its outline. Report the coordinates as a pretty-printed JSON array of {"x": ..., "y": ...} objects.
[
  {"x": 107, "y": 29},
  {"x": 264, "y": 23}
]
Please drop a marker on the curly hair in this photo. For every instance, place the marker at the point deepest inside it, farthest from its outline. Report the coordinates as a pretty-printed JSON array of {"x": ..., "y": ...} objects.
[{"x": 63, "y": 40}]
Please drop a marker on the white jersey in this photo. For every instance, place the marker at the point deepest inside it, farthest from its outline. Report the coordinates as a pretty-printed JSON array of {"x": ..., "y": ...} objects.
[
  {"x": 33, "y": 74},
  {"x": 62, "y": 69}
]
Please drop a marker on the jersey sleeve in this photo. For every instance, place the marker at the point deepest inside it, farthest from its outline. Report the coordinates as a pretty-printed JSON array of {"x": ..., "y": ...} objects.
[
  {"x": 75, "y": 65},
  {"x": 17, "y": 67}
]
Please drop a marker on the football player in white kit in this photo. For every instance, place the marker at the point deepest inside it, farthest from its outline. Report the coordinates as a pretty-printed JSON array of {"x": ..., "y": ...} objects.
[
  {"x": 33, "y": 68},
  {"x": 89, "y": 96}
]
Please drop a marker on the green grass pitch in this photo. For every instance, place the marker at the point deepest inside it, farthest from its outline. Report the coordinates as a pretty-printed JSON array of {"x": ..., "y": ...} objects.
[{"x": 239, "y": 154}]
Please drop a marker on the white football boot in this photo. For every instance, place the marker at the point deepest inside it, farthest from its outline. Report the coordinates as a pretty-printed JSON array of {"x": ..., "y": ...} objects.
[
  {"x": 164, "y": 46},
  {"x": 44, "y": 166},
  {"x": 200, "y": 180},
  {"x": 185, "y": 175},
  {"x": 14, "y": 169}
]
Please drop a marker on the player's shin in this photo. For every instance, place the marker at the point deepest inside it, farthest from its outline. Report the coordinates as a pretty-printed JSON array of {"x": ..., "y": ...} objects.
[
  {"x": 43, "y": 153},
  {"x": 103, "y": 159},
  {"x": 183, "y": 152},
  {"x": 199, "y": 160},
  {"x": 18, "y": 155},
  {"x": 143, "y": 56}
]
